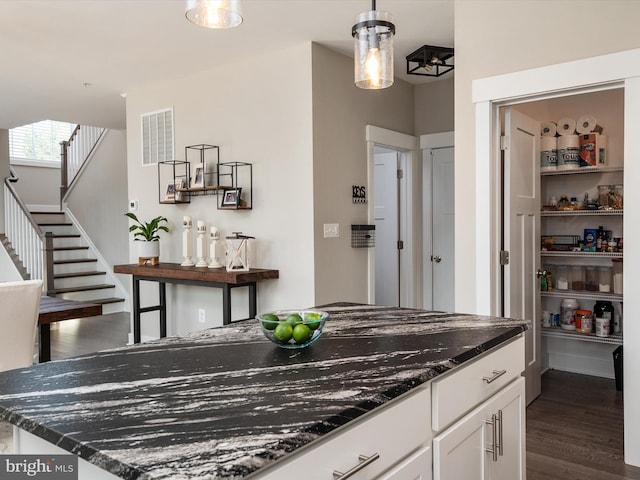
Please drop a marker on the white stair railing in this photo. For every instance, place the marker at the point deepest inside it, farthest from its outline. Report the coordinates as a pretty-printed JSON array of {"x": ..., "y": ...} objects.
[
  {"x": 24, "y": 234},
  {"x": 76, "y": 151}
]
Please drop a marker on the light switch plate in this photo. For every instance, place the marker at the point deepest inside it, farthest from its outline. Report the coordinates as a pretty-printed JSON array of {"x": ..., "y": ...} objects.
[
  {"x": 133, "y": 205},
  {"x": 331, "y": 230}
]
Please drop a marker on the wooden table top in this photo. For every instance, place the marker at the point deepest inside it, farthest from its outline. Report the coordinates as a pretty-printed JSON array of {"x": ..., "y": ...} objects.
[
  {"x": 54, "y": 309},
  {"x": 176, "y": 271}
]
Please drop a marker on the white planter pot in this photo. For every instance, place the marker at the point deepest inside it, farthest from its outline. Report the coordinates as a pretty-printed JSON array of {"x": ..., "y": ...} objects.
[{"x": 148, "y": 252}]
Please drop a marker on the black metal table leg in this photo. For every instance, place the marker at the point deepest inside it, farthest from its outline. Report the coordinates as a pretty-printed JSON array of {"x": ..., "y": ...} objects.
[
  {"x": 162, "y": 291},
  {"x": 226, "y": 304},
  {"x": 136, "y": 310},
  {"x": 44, "y": 343},
  {"x": 253, "y": 302}
]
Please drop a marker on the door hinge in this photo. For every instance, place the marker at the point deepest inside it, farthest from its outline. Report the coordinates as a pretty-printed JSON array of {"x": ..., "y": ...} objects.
[
  {"x": 504, "y": 142},
  {"x": 504, "y": 257},
  {"x": 400, "y": 244},
  {"x": 400, "y": 174}
]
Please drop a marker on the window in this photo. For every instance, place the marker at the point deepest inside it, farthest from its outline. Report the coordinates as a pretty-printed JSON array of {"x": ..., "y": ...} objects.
[
  {"x": 157, "y": 136},
  {"x": 39, "y": 142}
]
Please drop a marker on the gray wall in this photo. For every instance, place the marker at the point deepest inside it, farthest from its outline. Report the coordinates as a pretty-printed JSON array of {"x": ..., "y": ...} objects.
[
  {"x": 341, "y": 112},
  {"x": 434, "y": 106},
  {"x": 38, "y": 185},
  {"x": 99, "y": 198}
]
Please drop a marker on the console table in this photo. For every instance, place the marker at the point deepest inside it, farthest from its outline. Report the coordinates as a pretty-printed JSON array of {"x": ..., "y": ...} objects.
[{"x": 164, "y": 273}]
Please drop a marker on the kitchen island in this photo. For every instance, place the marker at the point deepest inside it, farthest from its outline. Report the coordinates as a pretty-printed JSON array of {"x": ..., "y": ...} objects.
[{"x": 225, "y": 403}]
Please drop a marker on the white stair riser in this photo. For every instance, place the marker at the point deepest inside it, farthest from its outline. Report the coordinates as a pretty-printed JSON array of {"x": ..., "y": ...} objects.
[
  {"x": 59, "y": 229},
  {"x": 68, "y": 242},
  {"x": 70, "y": 254},
  {"x": 49, "y": 218},
  {"x": 80, "y": 281},
  {"x": 75, "y": 267},
  {"x": 113, "y": 307},
  {"x": 88, "y": 295}
]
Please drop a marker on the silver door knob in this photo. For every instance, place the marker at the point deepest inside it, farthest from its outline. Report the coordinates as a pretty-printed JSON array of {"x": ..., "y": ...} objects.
[{"x": 436, "y": 258}]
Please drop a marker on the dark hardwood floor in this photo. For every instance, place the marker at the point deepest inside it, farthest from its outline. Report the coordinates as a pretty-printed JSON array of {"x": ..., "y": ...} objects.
[{"x": 575, "y": 430}]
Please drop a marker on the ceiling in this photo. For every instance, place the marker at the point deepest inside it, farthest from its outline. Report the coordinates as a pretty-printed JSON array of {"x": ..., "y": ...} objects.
[{"x": 71, "y": 60}]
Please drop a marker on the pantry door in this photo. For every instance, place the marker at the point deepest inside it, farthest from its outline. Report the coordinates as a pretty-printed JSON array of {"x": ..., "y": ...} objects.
[{"x": 521, "y": 234}]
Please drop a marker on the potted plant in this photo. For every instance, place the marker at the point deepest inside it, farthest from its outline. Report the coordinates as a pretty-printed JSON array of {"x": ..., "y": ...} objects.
[{"x": 148, "y": 235}]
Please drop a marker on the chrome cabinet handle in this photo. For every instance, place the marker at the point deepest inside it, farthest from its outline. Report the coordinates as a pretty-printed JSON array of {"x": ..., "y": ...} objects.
[
  {"x": 496, "y": 374},
  {"x": 500, "y": 443},
  {"x": 494, "y": 448},
  {"x": 364, "y": 461}
]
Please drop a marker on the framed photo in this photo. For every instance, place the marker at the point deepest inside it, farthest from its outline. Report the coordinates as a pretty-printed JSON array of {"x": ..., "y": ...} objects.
[
  {"x": 231, "y": 197},
  {"x": 198, "y": 177},
  {"x": 173, "y": 190}
]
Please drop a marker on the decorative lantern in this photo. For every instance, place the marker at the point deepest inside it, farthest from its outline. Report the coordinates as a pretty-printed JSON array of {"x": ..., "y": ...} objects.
[{"x": 238, "y": 252}]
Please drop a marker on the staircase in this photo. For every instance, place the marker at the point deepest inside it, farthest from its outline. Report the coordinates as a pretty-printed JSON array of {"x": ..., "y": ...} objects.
[
  {"x": 76, "y": 272},
  {"x": 14, "y": 257}
]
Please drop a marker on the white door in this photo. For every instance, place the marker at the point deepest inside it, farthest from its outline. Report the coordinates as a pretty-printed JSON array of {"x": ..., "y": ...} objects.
[
  {"x": 521, "y": 235},
  {"x": 387, "y": 255},
  {"x": 443, "y": 229}
]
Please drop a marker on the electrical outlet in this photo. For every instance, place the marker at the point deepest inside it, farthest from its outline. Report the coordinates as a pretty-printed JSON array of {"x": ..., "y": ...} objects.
[
  {"x": 331, "y": 230},
  {"x": 201, "y": 315},
  {"x": 133, "y": 205}
]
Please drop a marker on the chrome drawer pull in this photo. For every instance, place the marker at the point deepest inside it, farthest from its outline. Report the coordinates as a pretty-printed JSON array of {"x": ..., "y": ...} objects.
[
  {"x": 364, "y": 461},
  {"x": 494, "y": 447},
  {"x": 496, "y": 374},
  {"x": 500, "y": 440}
]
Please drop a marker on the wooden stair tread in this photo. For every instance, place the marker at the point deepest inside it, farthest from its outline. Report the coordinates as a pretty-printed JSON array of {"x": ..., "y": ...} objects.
[
  {"x": 55, "y": 224},
  {"x": 79, "y": 274},
  {"x": 74, "y": 260},
  {"x": 103, "y": 301},
  {"x": 84, "y": 288},
  {"x": 79, "y": 247},
  {"x": 66, "y": 235},
  {"x": 45, "y": 212}
]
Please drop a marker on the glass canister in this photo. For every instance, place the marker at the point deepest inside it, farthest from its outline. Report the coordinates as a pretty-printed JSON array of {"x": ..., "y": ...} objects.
[
  {"x": 618, "y": 197},
  {"x": 604, "y": 279},
  {"x": 584, "y": 321},
  {"x": 617, "y": 275},
  {"x": 603, "y": 196},
  {"x": 590, "y": 279},
  {"x": 562, "y": 277},
  {"x": 568, "y": 309},
  {"x": 577, "y": 277}
]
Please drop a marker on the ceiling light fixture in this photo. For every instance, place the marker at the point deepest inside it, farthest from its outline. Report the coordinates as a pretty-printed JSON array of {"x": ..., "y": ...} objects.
[
  {"x": 373, "y": 49},
  {"x": 430, "y": 61},
  {"x": 214, "y": 13}
]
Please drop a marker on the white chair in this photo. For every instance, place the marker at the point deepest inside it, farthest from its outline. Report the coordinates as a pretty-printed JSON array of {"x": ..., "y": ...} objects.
[{"x": 19, "y": 310}]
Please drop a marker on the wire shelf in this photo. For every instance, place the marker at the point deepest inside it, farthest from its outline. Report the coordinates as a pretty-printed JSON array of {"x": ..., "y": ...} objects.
[
  {"x": 615, "y": 339},
  {"x": 612, "y": 168}
]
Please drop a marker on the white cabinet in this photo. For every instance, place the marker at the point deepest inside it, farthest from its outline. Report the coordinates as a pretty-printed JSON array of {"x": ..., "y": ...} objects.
[
  {"x": 415, "y": 467},
  {"x": 373, "y": 446},
  {"x": 488, "y": 443}
]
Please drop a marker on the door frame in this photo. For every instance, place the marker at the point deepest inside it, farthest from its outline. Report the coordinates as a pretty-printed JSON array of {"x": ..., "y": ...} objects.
[
  {"x": 428, "y": 143},
  {"x": 579, "y": 76},
  {"x": 409, "y": 215}
]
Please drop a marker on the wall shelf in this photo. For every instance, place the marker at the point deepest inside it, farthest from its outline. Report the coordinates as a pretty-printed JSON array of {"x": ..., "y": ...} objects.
[
  {"x": 615, "y": 339},
  {"x": 583, "y": 295},
  {"x": 547, "y": 253},
  {"x": 572, "y": 213},
  {"x": 612, "y": 168}
]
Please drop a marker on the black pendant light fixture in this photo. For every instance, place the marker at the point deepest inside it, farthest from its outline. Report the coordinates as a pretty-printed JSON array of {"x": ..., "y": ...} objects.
[
  {"x": 373, "y": 49},
  {"x": 430, "y": 61}
]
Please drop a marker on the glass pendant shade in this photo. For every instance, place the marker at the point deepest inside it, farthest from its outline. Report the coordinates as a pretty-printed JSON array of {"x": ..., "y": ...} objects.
[
  {"x": 373, "y": 49},
  {"x": 214, "y": 13}
]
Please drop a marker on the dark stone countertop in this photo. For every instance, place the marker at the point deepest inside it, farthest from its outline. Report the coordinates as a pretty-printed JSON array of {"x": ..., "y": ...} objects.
[{"x": 223, "y": 403}]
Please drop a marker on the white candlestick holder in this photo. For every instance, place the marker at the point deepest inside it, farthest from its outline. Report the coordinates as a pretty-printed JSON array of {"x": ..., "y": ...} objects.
[
  {"x": 201, "y": 245},
  {"x": 214, "y": 236},
  {"x": 187, "y": 242}
]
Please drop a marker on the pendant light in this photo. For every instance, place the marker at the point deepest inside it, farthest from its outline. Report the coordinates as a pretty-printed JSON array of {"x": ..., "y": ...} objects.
[
  {"x": 373, "y": 49},
  {"x": 214, "y": 13}
]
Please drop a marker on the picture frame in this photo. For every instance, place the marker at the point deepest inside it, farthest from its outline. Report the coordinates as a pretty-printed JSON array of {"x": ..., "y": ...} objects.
[
  {"x": 198, "y": 177},
  {"x": 173, "y": 192},
  {"x": 231, "y": 197}
]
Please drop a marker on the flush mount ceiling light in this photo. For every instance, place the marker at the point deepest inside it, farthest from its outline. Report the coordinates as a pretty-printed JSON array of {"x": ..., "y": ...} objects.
[
  {"x": 214, "y": 13},
  {"x": 373, "y": 49},
  {"x": 430, "y": 61}
]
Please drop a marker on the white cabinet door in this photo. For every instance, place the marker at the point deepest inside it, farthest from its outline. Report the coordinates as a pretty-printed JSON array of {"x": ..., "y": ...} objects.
[
  {"x": 465, "y": 450},
  {"x": 510, "y": 405},
  {"x": 414, "y": 467}
]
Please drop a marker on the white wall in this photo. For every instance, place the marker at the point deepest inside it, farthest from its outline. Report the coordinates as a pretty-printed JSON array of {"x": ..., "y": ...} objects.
[
  {"x": 258, "y": 111},
  {"x": 38, "y": 185},
  {"x": 434, "y": 106},
  {"x": 496, "y": 26},
  {"x": 98, "y": 199},
  {"x": 4, "y": 170},
  {"x": 491, "y": 39}
]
